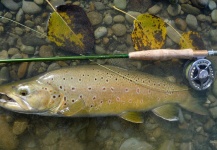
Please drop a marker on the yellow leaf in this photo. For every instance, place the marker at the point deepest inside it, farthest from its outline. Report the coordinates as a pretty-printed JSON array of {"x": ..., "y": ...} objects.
[
  {"x": 70, "y": 29},
  {"x": 149, "y": 32},
  {"x": 192, "y": 40}
]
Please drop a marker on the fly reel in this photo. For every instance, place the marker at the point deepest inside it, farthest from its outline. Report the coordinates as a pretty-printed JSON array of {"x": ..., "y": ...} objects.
[{"x": 199, "y": 74}]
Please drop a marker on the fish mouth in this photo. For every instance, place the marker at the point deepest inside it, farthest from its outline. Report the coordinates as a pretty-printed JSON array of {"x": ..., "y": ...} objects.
[{"x": 13, "y": 103}]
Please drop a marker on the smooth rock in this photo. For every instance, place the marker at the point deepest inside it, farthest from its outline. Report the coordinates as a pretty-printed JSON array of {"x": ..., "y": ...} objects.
[
  {"x": 18, "y": 30},
  {"x": 99, "y": 6},
  {"x": 213, "y": 112},
  {"x": 189, "y": 9},
  {"x": 202, "y": 17},
  {"x": 135, "y": 144},
  {"x": 174, "y": 10},
  {"x": 99, "y": 50},
  {"x": 119, "y": 29},
  {"x": 167, "y": 145},
  {"x": 134, "y": 14},
  {"x": 53, "y": 66},
  {"x": 100, "y": 32},
  {"x": 51, "y": 138},
  {"x": 212, "y": 5},
  {"x": 214, "y": 15},
  {"x": 7, "y": 15},
  {"x": 31, "y": 7},
  {"x": 46, "y": 51},
  {"x": 121, "y": 4},
  {"x": 139, "y": 5},
  {"x": 155, "y": 9},
  {"x": 39, "y": 2},
  {"x": 3, "y": 54},
  {"x": 186, "y": 146},
  {"x": 107, "y": 19},
  {"x": 22, "y": 69},
  {"x": 94, "y": 17},
  {"x": 16, "y": 56},
  {"x": 20, "y": 15},
  {"x": 181, "y": 24},
  {"x": 200, "y": 3},
  {"x": 213, "y": 38},
  {"x": 19, "y": 126},
  {"x": 10, "y": 4},
  {"x": 27, "y": 49},
  {"x": 4, "y": 75},
  {"x": 191, "y": 21},
  {"x": 8, "y": 140},
  {"x": 13, "y": 51},
  {"x": 118, "y": 19}
]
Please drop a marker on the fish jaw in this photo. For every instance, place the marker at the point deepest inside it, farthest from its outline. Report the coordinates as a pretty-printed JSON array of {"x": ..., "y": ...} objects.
[{"x": 29, "y": 97}]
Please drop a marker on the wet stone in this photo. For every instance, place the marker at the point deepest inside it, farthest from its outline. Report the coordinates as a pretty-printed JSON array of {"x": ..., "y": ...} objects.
[
  {"x": 19, "y": 126},
  {"x": 167, "y": 145},
  {"x": 99, "y": 50},
  {"x": 20, "y": 15},
  {"x": 27, "y": 49},
  {"x": 133, "y": 144},
  {"x": 118, "y": 19},
  {"x": 121, "y": 4},
  {"x": 213, "y": 112},
  {"x": 214, "y": 15},
  {"x": 212, "y": 5},
  {"x": 22, "y": 70},
  {"x": 155, "y": 9},
  {"x": 46, "y": 51},
  {"x": 119, "y": 29},
  {"x": 51, "y": 138},
  {"x": 191, "y": 21},
  {"x": 174, "y": 10},
  {"x": 4, "y": 75},
  {"x": 94, "y": 17},
  {"x": 19, "y": 31},
  {"x": 100, "y": 32},
  {"x": 31, "y": 7},
  {"x": 99, "y": 6},
  {"x": 53, "y": 66},
  {"x": 187, "y": 8},
  {"x": 181, "y": 24},
  {"x": 107, "y": 19},
  {"x": 11, "y": 4},
  {"x": 134, "y": 14}
]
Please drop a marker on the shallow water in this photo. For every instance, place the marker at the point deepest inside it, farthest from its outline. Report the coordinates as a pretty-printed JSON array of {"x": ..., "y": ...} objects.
[{"x": 33, "y": 132}]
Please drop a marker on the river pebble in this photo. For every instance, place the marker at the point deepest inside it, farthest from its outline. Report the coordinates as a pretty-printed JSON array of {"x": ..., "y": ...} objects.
[
  {"x": 155, "y": 9},
  {"x": 39, "y": 2},
  {"x": 118, "y": 19},
  {"x": 31, "y": 7},
  {"x": 99, "y": 6},
  {"x": 20, "y": 15},
  {"x": 46, "y": 51},
  {"x": 27, "y": 49},
  {"x": 100, "y": 32},
  {"x": 173, "y": 35},
  {"x": 19, "y": 126},
  {"x": 51, "y": 138},
  {"x": 11, "y": 4},
  {"x": 3, "y": 54},
  {"x": 13, "y": 51},
  {"x": 8, "y": 140},
  {"x": 213, "y": 112},
  {"x": 174, "y": 10},
  {"x": 4, "y": 75},
  {"x": 94, "y": 17},
  {"x": 53, "y": 66},
  {"x": 200, "y": 3},
  {"x": 99, "y": 50},
  {"x": 22, "y": 69},
  {"x": 135, "y": 144},
  {"x": 212, "y": 5},
  {"x": 107, "y": 19},
  {"x": 119, "y": 29},
  {"x": 167, "y": 145},
  {"x": 181, "y": 24},
  {"x": 213, "y": 38},
  {"x": 189, "y": 9},
  {"x": 134, "y": 14},
  {"x": 191, "y": 21},
  {"x": 18, "y": 31},
  {"x": 214, "y": 15},
  {"x": 121, "y": 4},
  {"x": 186, "y": 146}
]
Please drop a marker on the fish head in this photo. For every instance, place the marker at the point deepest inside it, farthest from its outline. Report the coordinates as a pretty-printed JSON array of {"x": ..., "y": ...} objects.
[{"x": 29, "y": 97}]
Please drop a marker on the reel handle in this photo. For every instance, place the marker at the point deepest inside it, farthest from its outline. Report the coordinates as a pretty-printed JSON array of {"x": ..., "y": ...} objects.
[{"x": 165, "y": 54}]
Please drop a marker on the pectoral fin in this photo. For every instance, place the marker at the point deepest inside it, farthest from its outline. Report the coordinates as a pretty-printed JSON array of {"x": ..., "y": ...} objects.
[
  {"x": 135, "y": 117},
  {"x": 71, "y": 110},
  {"x": 168, "y": 112}
]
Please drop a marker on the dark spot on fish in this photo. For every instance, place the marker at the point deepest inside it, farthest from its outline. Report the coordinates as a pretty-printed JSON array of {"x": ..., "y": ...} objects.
[
  {"x": 81, "y": 96},
  {"x": 106, "y": 80},
  {"x": 64, "y": 98},
  {"x": 95, "y": 79},
  {"x": 54, "y": 96},
  {"x": 79, "y": 79},
  {"x": 73, "y": 88},
  {"x": 103, "y": 88},
  {"x": 51, "y": 78},
  {"x": 64, "y": 78},
  {"x": 71, "y": 78},
  {"x": 101, "y": 102},
  {"x": 73, "y": 100},
  {"x": 61, "y": 87},
  {"x": 58, "y": 95},
  {"x": 94, "y": 97}
]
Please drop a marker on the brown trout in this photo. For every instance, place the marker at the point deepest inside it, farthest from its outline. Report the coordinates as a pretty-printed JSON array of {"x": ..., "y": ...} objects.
[{"x": 93, "y": 90}]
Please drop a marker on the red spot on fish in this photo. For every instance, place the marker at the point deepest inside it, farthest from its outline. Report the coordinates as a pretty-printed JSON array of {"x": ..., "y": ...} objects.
[
  {"x": 130, "y": 101},
  {"x": 118, "y": 99},
  {"x": 126, "y": 90},
  {"x": 138, "y": 90},
  {"x": 103, "y": 88},
  {"x": 109, "y": 102},
  {"x": 112, "y": 89}
]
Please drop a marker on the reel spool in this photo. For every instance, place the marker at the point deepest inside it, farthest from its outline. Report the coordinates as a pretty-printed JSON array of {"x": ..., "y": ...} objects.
[{"x": 199, "y": 74}]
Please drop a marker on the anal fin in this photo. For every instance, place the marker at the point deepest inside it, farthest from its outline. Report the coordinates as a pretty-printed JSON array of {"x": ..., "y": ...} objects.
[
  {"x": 168, "y": 112},
  {"x": 135, "y": 117}
]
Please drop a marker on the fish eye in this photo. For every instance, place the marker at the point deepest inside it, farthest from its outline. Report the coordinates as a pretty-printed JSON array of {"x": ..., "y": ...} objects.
[{"x": 23, "y": 91}]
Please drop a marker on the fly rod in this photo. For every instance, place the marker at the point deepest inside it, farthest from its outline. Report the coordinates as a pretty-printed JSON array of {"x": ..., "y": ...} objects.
[{"x": 158, "y": 54}]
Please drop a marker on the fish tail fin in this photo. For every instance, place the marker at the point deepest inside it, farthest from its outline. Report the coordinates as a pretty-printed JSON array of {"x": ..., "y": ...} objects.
[{"x": 192, "y": 104}]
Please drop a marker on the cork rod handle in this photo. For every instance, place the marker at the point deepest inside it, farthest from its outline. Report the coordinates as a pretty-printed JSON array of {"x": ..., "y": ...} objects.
[{"x": 166, "y": 54}]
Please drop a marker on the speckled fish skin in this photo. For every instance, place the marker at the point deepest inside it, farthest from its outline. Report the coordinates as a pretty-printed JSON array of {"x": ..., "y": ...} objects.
[{"x": 92, "y": 90}]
